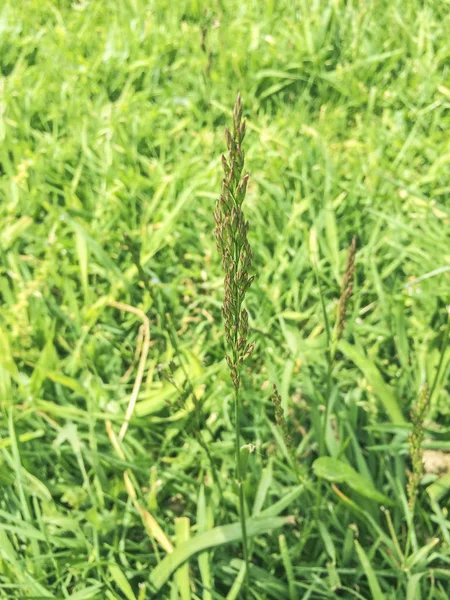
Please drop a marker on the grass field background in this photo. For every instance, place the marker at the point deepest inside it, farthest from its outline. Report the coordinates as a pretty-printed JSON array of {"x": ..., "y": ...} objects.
[{"x": 112, "y": 119}]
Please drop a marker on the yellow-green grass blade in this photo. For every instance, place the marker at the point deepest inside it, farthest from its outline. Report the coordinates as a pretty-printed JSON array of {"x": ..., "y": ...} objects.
[
  {"x": 381, "y": 389},
  {"x": 225, "y": 534}
]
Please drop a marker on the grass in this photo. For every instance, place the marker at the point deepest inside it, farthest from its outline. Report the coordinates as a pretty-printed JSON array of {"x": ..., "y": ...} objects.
[
  {"x": 233, "y": 246},
  {"x": 112, "y": 121}
]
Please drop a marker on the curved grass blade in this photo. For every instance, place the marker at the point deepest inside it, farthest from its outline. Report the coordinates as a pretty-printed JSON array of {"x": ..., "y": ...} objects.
[
  {"x": 335, "y": 470},
  {"x": 218, "y": 536},
  {"x": 279, "y": 506},
  {"x": 121, "y": 581},
  {"x": 374, "y": 586},
  {"x": 381, "y": 389}
]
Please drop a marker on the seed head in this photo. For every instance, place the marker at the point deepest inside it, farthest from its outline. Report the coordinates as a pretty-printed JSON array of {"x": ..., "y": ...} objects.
[
  {"x": 279, "y": 416},
  {"x": 232, "y": 243},
  {"x": 418, "y": 415},
  {"x": 346, "y": 288}
]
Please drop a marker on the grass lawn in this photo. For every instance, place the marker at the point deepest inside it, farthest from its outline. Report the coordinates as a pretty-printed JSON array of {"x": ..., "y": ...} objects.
[{"x": 117, "y": 464}]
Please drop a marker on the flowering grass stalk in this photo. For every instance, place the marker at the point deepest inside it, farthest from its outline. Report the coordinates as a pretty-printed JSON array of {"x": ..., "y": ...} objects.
[
  {"x": 346, "y": 289},
  {"x": 333, "y": 338},
  {"x": 418, "y": 415},
  {"x": 232, "y": 243}
]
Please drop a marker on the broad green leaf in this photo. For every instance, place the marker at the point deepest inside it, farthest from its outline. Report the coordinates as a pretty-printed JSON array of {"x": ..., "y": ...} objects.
[
  {"x": 182, "y": 533},
  {"x": 335, "y": 470},
  {"x": 225, "y": 534}
]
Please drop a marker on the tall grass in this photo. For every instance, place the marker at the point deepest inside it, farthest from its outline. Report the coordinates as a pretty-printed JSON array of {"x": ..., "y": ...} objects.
[
  {"x": 232, "y": 243},
  {"x": 118, "y": 445}
]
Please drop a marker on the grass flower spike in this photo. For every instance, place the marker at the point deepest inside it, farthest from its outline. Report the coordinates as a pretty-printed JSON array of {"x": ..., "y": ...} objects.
[
  {"x": 279, "y": 416},
  {"x": 232, "y": 243},
  {"x": 347, "y": 288},
  {"x": 418, "y": 414}
]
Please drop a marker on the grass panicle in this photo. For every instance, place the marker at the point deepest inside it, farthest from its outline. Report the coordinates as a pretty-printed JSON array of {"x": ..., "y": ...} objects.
[
  {"x": 111, "y": 115},
  {"x": 232, "y": 243},
  {"x": 333, "y": 339},
  {"x": 418, "y": 415},
  {"x": 280, "y": 419},
  {"x": 346, "y": 289}
]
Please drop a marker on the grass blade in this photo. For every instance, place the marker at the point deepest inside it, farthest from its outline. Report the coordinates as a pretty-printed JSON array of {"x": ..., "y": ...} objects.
[
  {"x": 121, "y": 582},
  {"x": 382, "y": 390},
  {"x": 218, "y": 536},
  {"x": 335, "y": 470},
  {"x": 284, "y": 551},
  {"x": 182, "y": 530},
  {"x": 375, "y": 588}
]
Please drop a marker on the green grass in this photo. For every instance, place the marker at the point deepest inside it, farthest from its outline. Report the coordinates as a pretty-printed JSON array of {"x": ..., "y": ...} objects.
[{"x": 112, "y": 120}]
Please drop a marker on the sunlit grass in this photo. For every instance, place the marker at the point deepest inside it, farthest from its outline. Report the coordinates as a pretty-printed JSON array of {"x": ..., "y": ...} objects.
[{"x": 112, "y": 120}]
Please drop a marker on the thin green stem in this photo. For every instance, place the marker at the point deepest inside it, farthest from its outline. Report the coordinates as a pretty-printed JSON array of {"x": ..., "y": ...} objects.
[
  {"x": 232, "y": 243},
  {"x": 327, "y": 406},
  {"x": 240, "y": 484},
  {"x": 330, "y": 352},
  {"x": 240, "y": 476}
]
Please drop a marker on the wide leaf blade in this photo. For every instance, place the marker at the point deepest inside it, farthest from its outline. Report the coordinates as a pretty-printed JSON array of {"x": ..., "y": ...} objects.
[
  {"x": 335, "y": 470},
  {"x": 218, "y": 536}
]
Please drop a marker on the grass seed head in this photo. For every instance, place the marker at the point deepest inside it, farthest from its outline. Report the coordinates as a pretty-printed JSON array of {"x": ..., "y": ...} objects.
[
  {"x": 232, "y": 243},
  {"x": 346, "y": 288},
  {"x": 418, "y": 415},
  {"x": 279, "y": 416}
]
